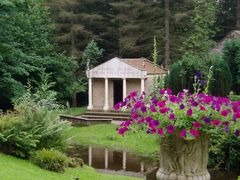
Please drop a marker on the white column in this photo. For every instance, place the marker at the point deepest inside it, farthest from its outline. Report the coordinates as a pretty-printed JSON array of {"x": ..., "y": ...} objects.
[
  {"x": 106, "y": 107},
  {"x": 142, "y": 166},
  {"x": 142, "y": 85},
  {"x": 106, "y": 158},
  {"x": 124, "y": 160},
  {"x": 90, "y": 156},
  {"x": 90, "y": 105},
  {"x": 124, "y": 88}
]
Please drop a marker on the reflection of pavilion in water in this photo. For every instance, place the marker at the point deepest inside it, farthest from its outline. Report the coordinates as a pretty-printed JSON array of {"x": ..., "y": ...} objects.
[{"x": 114, "y": 160}]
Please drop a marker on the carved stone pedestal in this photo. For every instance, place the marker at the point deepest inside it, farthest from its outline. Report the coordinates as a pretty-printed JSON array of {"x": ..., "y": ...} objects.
[{"x": 183, "y": 160}]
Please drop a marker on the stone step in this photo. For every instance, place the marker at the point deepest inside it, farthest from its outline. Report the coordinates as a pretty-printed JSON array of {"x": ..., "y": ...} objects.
[
  {"x": 94, "y": 116},
  {"x": 114, "y": 113},
  {"x": 84, "y": 120}
]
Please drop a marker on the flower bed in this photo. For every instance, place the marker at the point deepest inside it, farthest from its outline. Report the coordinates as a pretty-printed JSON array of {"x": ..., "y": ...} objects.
[{"x": 190, "y": 113}]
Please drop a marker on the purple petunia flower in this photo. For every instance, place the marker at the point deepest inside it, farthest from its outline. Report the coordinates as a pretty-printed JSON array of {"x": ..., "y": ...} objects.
[
  {"x": 143, "y": 109},
  {"x": 202, "y": 82},
  {"x": 189, "y": 112},
  {"x": 234, "y": 119},
  {"x": 207, "y": 120},
  {"x": 226, "y": 129},
  {"x": 237, "y": 132},
  {"x": 154, "y": 101},
  {"x": 171, "y": 116},
  {"x": 182, "y": 106},
  {"x": 170, "y": 129},
  {"x": 152, "y": 108},
  {"x": 198, "y": 74},
  {"x": 148, "y": 119}
]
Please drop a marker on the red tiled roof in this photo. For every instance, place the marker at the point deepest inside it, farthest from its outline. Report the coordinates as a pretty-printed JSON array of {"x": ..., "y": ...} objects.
[{"x": 144, "y": 64}]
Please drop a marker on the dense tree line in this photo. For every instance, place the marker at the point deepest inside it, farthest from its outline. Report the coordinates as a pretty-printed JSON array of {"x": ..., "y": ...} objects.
[
  {"x": 53, "y": 37},
  {"x": 126, "y": 28},
  {"x": 26, "y": 52}
]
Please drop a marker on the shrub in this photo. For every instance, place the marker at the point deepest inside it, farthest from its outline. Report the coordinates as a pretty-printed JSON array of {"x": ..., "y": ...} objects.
[
  {"x": 35, "y": 125},
  {"x": 74, "y": 162},
  {"x": 221, "y": 82},
  {"x": 31, "y": 130},
  {"x": 224, "y": 151},
  {"x": 52, "y": 160},
  {"x": 182, "y": 74},
  {"x": 231, "y": 54}
]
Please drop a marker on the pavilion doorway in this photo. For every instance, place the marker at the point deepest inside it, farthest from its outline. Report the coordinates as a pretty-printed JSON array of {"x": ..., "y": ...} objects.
[{"x": 117, "y": 91}]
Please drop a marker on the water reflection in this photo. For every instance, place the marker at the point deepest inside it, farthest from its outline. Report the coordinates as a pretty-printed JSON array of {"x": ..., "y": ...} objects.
[{"x": 124, "y": 163}]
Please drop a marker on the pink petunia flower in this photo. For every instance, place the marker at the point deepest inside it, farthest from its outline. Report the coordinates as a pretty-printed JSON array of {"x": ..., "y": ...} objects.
[
  {"x": 122, "y": 131},
  {"x": 161, "y": 103},
  {"x": 216, "y": 122},
  {"x": 194, "y": 132},
  {"x": 164, "y": 110},
  {"x": 171, "y": 116},
  {"x": 135, "y": 116},
  {"x": 197, "y": 125},
  {"x": 160, "y": 131},
  {"x": 202, "y": 108},
  {"x": 224, "y": 113},
  {"x": 183, "y": 133}
]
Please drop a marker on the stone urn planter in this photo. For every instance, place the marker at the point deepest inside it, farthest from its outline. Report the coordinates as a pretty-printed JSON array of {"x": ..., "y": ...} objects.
[{"x": 183, "y": 160}]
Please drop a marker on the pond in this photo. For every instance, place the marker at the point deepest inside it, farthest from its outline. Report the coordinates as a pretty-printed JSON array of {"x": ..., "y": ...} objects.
[{"x": 124, "y": 163}]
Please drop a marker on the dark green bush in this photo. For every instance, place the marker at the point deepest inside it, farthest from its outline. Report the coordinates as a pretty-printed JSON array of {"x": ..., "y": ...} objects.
[
  {"x": 224, "y": 152},
  {"x": 182, "y": 74},
  {"x": 30, "y": 130},
  {"x": 52, "y": 160},
  {"x": 220, "y": 84},
  {"x": 234, "y": 97},
  {"x": 231, "y": 54}
]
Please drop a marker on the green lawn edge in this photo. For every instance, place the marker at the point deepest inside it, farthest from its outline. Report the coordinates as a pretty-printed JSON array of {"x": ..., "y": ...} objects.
[
  {"x": 105, "y": 135},
  {"x": 13, "y": 168}
]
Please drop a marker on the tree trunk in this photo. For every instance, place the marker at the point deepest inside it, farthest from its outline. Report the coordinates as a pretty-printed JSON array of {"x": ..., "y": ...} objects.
[
  {"x": 167, "y": 35},
  {"x": 72, "y": 54},
  {"x": 183, "y": 160},
  {"x": 238, "y": 15}
]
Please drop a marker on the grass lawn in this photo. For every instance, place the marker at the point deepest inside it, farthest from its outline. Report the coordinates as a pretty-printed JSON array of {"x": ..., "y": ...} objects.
[
  {"x": 106, "y": 136},
  {"x": 12, "y": 168},
  {"x": 74, "y": 111}
]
